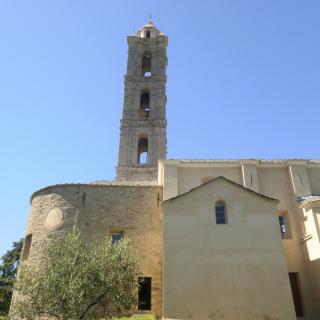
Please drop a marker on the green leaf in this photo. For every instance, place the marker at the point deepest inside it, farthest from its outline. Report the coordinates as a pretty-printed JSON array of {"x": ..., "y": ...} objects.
[{"x": 79, "y": 280}]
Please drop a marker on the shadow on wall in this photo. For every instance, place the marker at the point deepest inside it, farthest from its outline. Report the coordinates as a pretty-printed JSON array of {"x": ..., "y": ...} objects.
[{"x": 314, "y": 267}]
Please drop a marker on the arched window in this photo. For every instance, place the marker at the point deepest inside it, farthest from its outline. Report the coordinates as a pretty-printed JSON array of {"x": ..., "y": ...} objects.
[
  {"x": 221, "y": 215},
  {"x": 146, "y": 64},
  {"x": 148, "y": 33},
  {"x": 143, "y": 150},
  {"x": 144, "y": 105}
]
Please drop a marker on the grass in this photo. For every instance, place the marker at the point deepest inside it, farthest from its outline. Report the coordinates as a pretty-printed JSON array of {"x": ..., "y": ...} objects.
[{"x": 142, "y": 317}]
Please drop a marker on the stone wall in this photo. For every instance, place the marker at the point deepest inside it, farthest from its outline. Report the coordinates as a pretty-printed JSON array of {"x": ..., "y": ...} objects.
[
  {"x": 133, "y": 125},
  {"x": 101, "y": 209}
]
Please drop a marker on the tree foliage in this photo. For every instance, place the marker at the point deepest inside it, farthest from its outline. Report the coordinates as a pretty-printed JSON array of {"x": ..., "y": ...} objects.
[
  {"x": 79, "y": 280},
  {"x": 8, "y": 271}
]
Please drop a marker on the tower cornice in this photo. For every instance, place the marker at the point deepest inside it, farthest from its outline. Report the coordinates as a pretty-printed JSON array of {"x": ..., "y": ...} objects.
[
  {"x": 160, "y": 40},
  {"x": 128, "y": 123},
  {"x": 141, "y": 79}
]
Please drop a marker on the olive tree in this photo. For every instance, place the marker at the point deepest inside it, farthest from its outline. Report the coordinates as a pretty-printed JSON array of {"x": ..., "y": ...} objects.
[
  {"x": 8, "y": 270},
  {"x": 78, "y": 280}
]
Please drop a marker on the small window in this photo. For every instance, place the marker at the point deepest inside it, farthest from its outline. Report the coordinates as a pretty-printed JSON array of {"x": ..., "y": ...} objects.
[
  {"x": 116, "y": 236},
  {"x": 143, "y": 159},
  {"x": 284, "y": 225},
  {"x": 143, "y": 151},
  {"x": 220, "y": 209},
  {"x": 144, "y": 105},
  {"x": 146, "y": 64},
  {"x": 148, "y": 34},
  {"x": 26, "y": 247}
]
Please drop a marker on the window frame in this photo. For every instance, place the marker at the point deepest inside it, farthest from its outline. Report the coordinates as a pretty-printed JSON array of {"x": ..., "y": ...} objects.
[
  {"x": 144, "y": 110},
  {"x": 143, "y": 147},
  {"x": 120, "y": 234},
  {"x": 284, "y": 223},
  {"x": 145, "y": 293},
  {"x": 146, "y": 64},
  {"x": 221, "y": 218}
]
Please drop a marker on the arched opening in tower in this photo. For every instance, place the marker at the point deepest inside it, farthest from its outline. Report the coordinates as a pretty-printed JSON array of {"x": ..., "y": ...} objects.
[
  {"x": 143, "y": 150},
  {"x": 144, "y": 105},
  {"x": 26, "y": 247},
  {"x": 146, "y": 64}
]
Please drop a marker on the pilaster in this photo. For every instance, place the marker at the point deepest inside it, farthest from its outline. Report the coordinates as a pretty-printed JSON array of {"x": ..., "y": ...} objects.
[
  {"x": 299, "y": 180},
  {"x": 250, "y": 176}
]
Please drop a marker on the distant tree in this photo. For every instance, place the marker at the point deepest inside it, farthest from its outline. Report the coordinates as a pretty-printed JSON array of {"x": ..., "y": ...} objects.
[
  {"x": 78, "y": 280},
  {"x": 8, "y": 272}
]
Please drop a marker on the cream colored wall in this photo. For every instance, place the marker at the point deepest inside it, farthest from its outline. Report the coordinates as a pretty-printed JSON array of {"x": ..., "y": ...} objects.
[
  {"x": 283, "y": 180},
  {"x": 232, "y": 271},
  {"x": 191, "y": 177},
  {"x": 177, "y": 178},
  {"x": 311, "y": 220},
  {"x": 311, "y": 225},
  {"x": 276, "y": 182},
  {"x": 314, "y": 178}
]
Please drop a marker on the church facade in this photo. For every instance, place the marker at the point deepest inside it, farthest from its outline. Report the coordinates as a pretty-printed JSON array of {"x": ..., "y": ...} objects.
[{"x": 217, "y": 239}]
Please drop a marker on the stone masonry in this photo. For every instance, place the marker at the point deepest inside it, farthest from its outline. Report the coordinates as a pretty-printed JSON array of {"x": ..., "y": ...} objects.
[
  {"x": 100, "y": 210},
  {"x": 143, "y": 124}
]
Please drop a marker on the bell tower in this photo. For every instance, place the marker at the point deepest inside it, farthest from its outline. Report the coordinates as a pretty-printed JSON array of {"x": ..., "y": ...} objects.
[{"x": 143, "y": 138}]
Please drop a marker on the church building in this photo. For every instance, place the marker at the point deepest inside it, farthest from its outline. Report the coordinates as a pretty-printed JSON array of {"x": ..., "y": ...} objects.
[{"x": 216, "y": 239}]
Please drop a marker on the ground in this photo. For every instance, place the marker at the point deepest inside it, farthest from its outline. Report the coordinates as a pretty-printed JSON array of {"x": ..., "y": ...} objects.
[{"x": 137, "y": 318}]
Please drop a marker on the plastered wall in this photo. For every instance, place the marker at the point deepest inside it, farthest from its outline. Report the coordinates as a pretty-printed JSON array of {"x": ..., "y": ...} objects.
[
  {"x": 287, "y": 181},
  {"x": 231, "y": 271}
]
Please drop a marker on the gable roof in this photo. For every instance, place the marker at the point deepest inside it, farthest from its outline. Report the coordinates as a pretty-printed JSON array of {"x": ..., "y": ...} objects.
[{"x": 228, "y": 181}]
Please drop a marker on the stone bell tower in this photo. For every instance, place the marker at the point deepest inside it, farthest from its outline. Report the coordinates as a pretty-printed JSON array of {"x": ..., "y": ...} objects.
[{"x": 143, "y": 126}]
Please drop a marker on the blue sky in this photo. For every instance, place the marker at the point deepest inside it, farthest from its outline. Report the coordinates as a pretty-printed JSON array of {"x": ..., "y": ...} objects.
[{"x": 243, "y": 82}]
